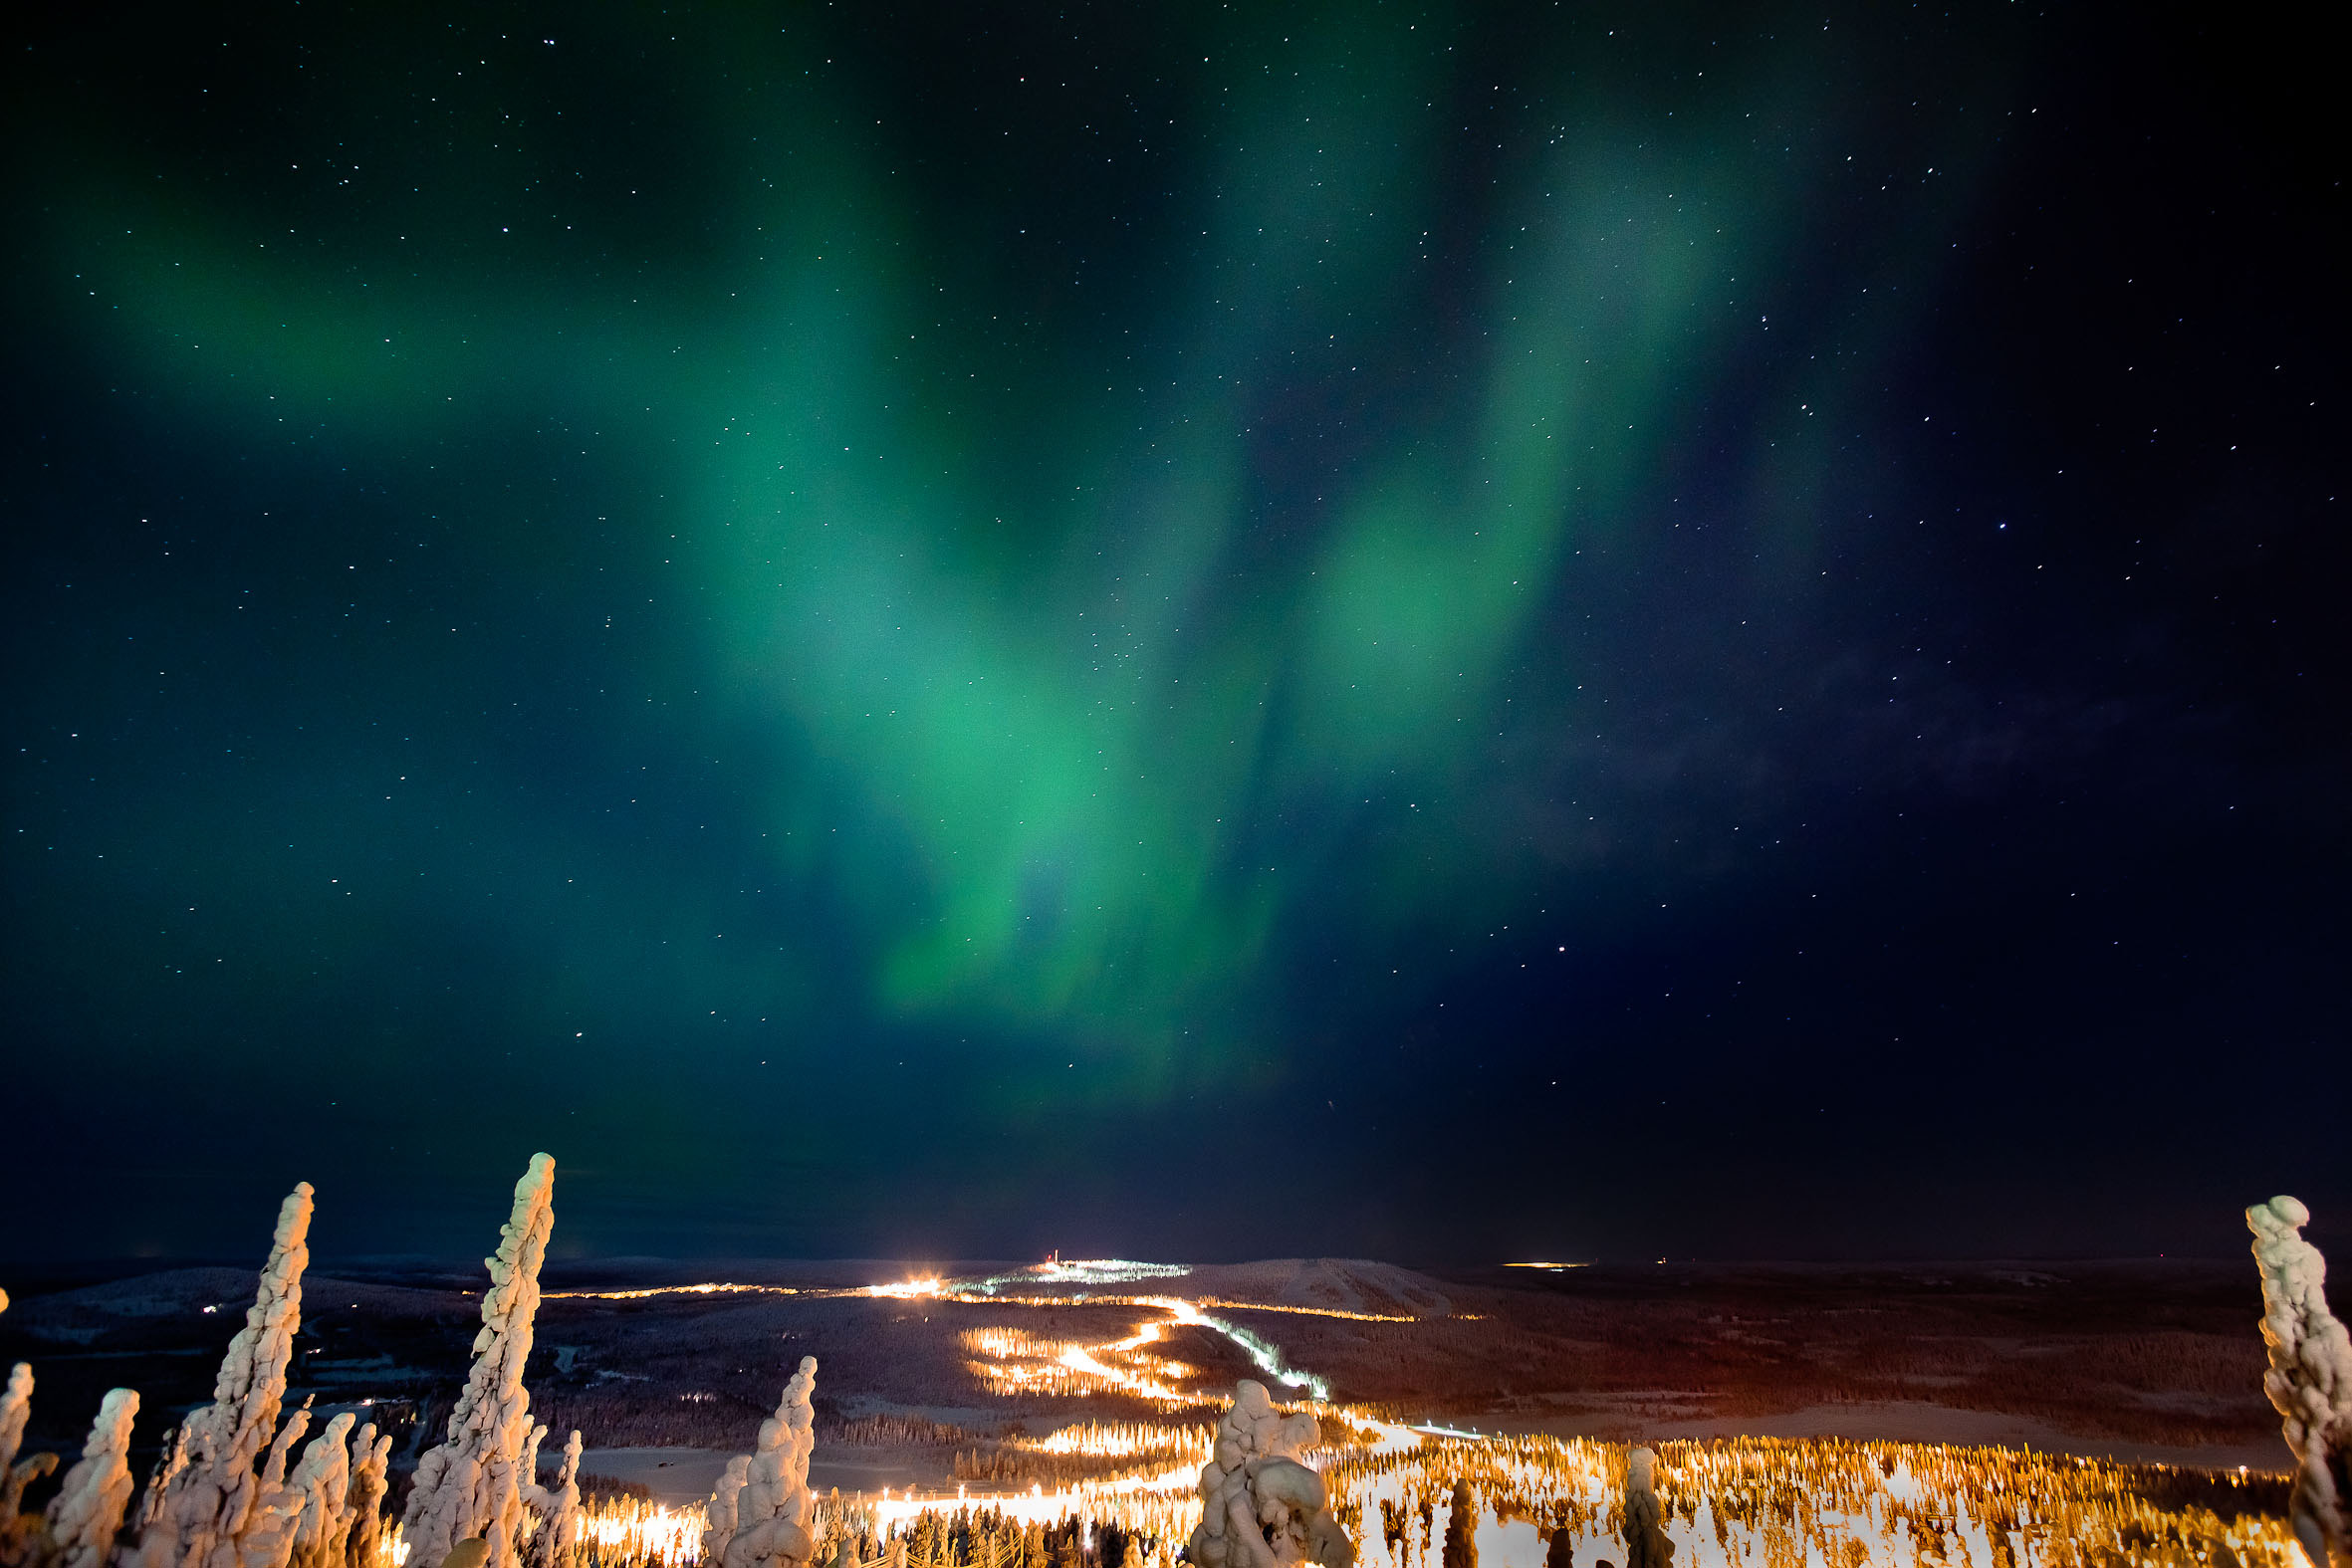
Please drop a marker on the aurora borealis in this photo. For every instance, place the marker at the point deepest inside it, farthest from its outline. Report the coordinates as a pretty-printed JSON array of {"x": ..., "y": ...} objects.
[{"x": 1574, "y": 630}]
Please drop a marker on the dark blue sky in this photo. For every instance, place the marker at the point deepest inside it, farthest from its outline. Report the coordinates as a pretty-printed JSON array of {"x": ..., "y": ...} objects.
[{"x": 1550, "y": 630}]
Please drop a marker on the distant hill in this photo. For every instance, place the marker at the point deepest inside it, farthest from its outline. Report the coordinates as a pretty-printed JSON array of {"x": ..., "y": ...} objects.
[
  {"x": 1346, "y": 1285},
  {"x": 146, "y": 1305}
]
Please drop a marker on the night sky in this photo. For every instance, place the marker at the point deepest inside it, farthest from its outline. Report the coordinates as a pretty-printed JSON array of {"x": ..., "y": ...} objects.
[{"x": 1188, "y": 631}]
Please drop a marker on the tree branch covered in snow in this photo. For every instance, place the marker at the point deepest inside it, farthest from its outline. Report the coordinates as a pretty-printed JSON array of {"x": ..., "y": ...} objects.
[
  {"x": 268, "y": 1541},
  {"x": 558, "y": 1507},
  {"x": 773, "y": 1509},
  {"x": 2310, "y": 1378},
  {"x": 719, "y": 1512},
  {"x": 208, "y": 1504},
  {"x": 18, "y": 1533},
  {"x": 371, "y": 1461},
  {"x": 1646, "y": 1545},
  {"x": 1261, "y": 1507},
  {"x": 86, "y": 1513},
  {"x": 16, "y": 1408},
  {"x": 324, "y": 1479},
  {"x": 168, "y": 1463},
  {"x": 471, "y": 1484},
  {"x": 21, "y": 1533}
]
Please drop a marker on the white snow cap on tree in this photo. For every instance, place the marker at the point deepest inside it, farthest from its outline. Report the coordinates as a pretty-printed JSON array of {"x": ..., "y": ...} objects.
[
  {"x": 558, "y": 1509},
  {"x": 273, "y": 1467},
  {"x": 86, "y": 1513},
  {"x": 2310, "y": 1378},
  {"x": 1646, "y": 1545},
  {"x": 719, "y": 1512},
  {"x": 18, "y": 1530},
  {"x": 207, "y": 1505},
  {"x": 1261, "y": 1507},
  {"x": 16, "y": 1408},
  {"x": 324, "y": 1479},
  {"x": 773, "y": 1510},
  {"x": 532, "y": 1491},
  {"x": 471, "y": 1484},
  {"x": 168, "y": 1465},
  {"x": 371, "y": 1460},
  {"x": 268, "y": 1538}
]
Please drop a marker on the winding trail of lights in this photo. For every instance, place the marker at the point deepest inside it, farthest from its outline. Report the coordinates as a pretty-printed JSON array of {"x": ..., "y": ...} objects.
[{"x": 1087, "y": 1361}]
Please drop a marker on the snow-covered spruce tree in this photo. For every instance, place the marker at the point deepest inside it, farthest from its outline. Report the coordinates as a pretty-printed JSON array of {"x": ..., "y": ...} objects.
[
  {"x": 1646, "y": 1545},
  {"x": 773, "y": 1509},
  {"x": 372, "y": 1464},
  {"x": 86, "y": 1513},
  {"x": 20, "y": 1534},
  {"x": 324, "y": 1479},
  {"x": 719, "y": 1513},
  {"x": 207, "y": 1505},
  {"x": 16, "y": 1408},
  {"x": 1460, "y": 1548},
  {"x": 2309, "y": 1381},
  {"x": 532, "y": 1491},
  {"x": 1261, "y": 1507},
  {"x": 558, "y": 1507},
  {"x": 23, "y": 1536},
  {"x": 471, "y": 1484},
  {"x": 277, "y": 1506},
  {"x": 536, "y": 1499}
]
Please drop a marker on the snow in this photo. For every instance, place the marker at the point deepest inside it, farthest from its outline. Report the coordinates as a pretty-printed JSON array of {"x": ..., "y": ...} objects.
[
  {"x": 207, "y": 1505},
  {"x": 1260, "y": 1508},
  {"x": 2310, "y": 1376},
  {"x": 86, "y": 1513},
  {"x": 470, "y": 1485},
  {"x": 773, "y": 1510}
]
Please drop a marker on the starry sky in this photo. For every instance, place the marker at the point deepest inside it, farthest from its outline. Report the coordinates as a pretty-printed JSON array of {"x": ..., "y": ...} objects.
[{"x": 1177, "y": 630}]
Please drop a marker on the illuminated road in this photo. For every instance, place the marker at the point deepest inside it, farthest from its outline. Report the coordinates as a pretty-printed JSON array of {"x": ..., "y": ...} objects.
[{"x": 1015, "y": 1363}]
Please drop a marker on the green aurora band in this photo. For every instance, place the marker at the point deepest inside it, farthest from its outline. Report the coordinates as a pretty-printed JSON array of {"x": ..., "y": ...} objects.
[{"x": 1084, "y": 696}]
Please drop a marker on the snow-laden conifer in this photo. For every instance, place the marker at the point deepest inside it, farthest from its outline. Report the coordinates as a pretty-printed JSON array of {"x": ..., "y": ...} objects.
[
  {"x": 19, "y": 1532},
  {"x": 471, "y": 1486},
  {"x": 86, "y": 1513},
  {"x": 324, "y": 1479},
  {"x": 371, "y": 1461},
  {"x": 558, "y": 1507},
  {"x": 207, "y": 1505},
  {"x": 2310, "y": 1378},
  {"x": 773, "y": 1509},
  {"x": 1261, "y": 1507}
]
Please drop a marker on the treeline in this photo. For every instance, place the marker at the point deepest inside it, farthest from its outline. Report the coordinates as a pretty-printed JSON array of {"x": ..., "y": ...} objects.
[
  {"x": 1083, "y": 1453},
  {"x": 639, "y": 1420},
  {"x": 985, "y": 1538},
  {"x": 887, "y": 1430}
]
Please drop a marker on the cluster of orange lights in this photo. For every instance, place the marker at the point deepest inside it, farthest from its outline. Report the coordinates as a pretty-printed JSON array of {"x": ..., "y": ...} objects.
[{"x": 1014, "y": 1361}]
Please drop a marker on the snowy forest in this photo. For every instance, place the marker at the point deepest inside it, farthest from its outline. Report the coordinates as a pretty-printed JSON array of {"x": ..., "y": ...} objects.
[{"x": 244, "y": 1482}]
